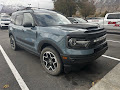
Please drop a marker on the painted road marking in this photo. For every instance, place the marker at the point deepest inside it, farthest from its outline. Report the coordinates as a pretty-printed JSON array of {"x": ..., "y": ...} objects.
[
  {"x": 113, "y": 41},
  {"x": 95, "y": 87},
  {"x": 17, "y": 76},
  {"x": 111, "y": 57}
]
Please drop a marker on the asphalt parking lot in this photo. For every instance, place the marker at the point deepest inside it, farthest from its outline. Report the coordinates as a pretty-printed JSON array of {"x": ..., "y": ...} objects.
[{"x": 36, "y": 78}]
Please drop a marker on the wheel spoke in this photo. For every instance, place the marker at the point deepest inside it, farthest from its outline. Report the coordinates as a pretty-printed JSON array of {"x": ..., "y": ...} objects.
[
  {"x": 12, "y": 42},
  {"x": 45, "y": 55},
  {"x": 45, "y": 62},
  {"x": 54, "y": 64},
  {"x": 51, "y": 56},
  {"x": 48, "y": 54},
  {"x": 51, "y": 68}
]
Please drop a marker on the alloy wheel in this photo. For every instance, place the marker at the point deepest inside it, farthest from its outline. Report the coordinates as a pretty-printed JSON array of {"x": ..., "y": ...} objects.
[{"x": 50, "y": 61}]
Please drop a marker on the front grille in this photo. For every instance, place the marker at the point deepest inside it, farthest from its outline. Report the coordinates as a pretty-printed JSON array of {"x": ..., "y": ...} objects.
[
  {"x": 95, "y": 44},
  {"x": 98, "y": 35},
  {"x": 89, "y": 36},
  {"x": 6, "y": 23},
  {"x": 100, "y": 48}
]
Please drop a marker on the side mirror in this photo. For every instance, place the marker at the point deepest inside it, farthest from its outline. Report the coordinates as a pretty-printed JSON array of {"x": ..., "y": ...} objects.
[
  {"x": 75, "y": 22},
  {"x": 28, "y": 24}
]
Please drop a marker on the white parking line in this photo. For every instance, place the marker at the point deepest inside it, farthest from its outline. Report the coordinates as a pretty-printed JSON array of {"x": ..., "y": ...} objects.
[
  {"x": 17, "y": 76},
  {"x": 111, "y": 57},
  {"x": 113, "y": 41}
]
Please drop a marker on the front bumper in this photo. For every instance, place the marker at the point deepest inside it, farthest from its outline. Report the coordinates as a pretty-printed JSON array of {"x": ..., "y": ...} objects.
[
  {"x": 4, "y": 25},
  {"x": 82, "y": 59}
]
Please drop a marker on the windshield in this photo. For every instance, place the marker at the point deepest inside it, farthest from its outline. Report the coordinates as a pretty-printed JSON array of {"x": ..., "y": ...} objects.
[
  {"x": 51, "y": 19},
  {"x": 80, "y": 20}
]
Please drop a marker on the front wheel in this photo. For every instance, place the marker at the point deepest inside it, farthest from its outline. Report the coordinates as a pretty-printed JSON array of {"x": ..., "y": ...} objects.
[{"x": 50, "y": 61}]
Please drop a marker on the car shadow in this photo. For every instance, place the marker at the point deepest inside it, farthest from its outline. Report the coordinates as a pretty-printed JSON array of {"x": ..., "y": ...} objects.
[
  {"x": 76, "y": 78},
  {"x": 90, "y": 73}
]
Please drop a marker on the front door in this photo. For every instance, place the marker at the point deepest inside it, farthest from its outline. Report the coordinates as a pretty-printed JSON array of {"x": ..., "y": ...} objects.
[{"x": 29, "y": 33}]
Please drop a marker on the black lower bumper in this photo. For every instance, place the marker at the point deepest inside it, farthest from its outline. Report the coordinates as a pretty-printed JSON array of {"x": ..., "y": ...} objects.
[{"x": 77, "y": 59}]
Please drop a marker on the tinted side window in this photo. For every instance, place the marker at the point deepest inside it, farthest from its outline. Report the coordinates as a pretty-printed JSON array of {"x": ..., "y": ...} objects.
[
  {"x": 19, "y": 20},
  {"x": 113, "y": 16},
  {"x": 28, "y": 18}
]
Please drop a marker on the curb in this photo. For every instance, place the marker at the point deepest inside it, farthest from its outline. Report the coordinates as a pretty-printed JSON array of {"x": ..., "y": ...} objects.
[
  {"x": 111, "y": 81},
  {"x": 118, "y": 33},
  {"x": 113, "y": 31}
]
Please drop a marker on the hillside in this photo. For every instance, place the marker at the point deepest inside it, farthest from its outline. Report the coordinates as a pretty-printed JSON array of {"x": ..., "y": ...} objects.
[
  {"x": 10, "y": 8},
  {"x": 101, "y": 6},
  {"x": 109, "y": 5}
]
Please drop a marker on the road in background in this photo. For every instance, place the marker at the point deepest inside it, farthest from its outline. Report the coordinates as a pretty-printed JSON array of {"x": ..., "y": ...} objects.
[{"x": 36, "y": 78}]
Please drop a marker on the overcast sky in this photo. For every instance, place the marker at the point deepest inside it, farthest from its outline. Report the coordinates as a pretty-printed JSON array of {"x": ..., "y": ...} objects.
[{"x": 34, "y": 3}]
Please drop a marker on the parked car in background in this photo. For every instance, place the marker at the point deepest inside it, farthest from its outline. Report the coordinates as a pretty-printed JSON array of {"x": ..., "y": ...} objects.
[
  {"x": 76, "y": 20},
  {"x": 59, "y": 43},
  {"x": 97, "y": 20},
  {"x": 4, "y": 20},
  {"x": 111, "y": 21}
]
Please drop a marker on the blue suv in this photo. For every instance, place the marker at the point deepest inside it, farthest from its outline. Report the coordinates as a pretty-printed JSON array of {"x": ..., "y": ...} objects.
[{"x": 60, "y": 44}]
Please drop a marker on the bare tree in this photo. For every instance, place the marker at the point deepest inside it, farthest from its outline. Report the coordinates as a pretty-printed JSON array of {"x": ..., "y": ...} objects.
[
  {"x": 86, "y": 8},
  {"x": 66, "y": 7}
]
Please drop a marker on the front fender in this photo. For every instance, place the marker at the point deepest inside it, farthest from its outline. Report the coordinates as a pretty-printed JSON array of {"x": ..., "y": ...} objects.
[{"x": 50, "y": 42}]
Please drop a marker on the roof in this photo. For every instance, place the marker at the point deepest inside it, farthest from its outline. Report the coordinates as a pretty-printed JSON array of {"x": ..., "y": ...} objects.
[
  {"x": 114, "y": 13},
  {"x": 32, "y": 10}
]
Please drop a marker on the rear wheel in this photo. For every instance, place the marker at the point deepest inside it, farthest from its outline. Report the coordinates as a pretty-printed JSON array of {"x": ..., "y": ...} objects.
[
  {"x": 13, "y": 43},
  {"x": 50, "y": 61}
]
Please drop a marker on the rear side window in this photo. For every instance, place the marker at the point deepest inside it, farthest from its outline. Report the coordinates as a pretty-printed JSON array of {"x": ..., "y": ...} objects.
[
  {"x": 13, "y": 19},
  {"x": 28, "y": 18},
  {"x": 19, "y": 20},
  {"x": 113, "y": 16}
]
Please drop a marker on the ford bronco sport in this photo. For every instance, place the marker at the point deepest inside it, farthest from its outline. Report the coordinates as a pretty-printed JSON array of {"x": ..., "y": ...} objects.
[{"x": 59, "y": 43}]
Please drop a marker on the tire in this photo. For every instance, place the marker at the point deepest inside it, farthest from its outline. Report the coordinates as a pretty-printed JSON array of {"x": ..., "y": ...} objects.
[
  {"x": 1, "y": 27},
  {"x": 51, "y": 61},
  {"x": 13, "y": 43}
]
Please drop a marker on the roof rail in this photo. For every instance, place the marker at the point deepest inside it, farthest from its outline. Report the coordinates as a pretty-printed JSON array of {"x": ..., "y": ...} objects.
[
  {"x": 26, "y": 8},
  {"x": 34, "y": 8}
]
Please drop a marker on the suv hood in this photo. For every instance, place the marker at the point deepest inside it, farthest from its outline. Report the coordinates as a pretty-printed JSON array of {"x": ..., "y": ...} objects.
[{"x": 79, "y": 27}]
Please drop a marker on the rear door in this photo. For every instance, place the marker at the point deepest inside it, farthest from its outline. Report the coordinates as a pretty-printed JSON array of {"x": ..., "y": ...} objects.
[
  {"x": 17, "y": 28},
  {"x": 112, "y": 21},
  {"x": 29, "y": 33}
]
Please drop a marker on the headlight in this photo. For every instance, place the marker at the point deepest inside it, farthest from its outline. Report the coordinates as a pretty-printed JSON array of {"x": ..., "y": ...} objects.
[
  {"x": 77, "y": 43},
  {"x": 72, "y": 41}
]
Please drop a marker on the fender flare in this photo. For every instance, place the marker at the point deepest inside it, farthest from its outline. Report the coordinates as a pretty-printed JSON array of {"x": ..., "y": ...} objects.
[{"x": 50, "y": 43}]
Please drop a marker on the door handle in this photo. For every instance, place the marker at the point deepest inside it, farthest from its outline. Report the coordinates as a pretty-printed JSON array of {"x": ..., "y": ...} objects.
[{"x": 22, "y": 30}]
